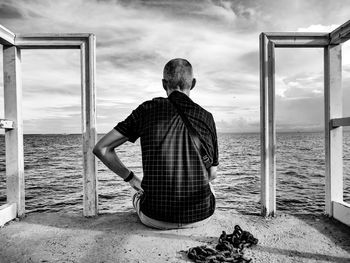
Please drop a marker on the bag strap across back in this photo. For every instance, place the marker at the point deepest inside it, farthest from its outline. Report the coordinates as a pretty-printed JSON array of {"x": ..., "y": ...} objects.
[{"x": 195, "y": 137}]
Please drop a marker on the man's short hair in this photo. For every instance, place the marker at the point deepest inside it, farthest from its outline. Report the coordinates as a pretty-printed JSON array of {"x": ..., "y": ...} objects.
[{"x": 178, "y": 72}]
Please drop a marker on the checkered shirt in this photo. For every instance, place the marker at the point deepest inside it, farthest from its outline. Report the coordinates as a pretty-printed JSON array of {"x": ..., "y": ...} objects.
[{"x": 175, "y": 182}]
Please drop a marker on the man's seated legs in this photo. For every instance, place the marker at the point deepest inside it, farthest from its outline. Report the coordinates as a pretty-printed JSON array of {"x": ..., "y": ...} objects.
[{"x": 153, "y": 223}]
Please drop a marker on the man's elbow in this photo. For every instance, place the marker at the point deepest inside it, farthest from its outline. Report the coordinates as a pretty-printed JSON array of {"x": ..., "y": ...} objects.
[{"x": 97, "y": 150}]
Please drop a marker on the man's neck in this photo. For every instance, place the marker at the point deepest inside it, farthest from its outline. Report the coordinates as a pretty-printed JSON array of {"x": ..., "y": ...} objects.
[{"x": 185, "y": 91}]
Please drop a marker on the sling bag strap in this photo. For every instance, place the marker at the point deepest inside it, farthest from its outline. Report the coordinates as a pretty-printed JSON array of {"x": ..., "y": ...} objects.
[{"x": 195, "y": 137}]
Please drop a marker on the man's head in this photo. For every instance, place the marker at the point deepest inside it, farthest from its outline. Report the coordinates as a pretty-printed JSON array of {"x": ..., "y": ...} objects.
[{"x": 178, "y": 75}]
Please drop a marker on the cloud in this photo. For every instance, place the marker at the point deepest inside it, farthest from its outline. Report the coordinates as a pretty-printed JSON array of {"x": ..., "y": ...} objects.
[
  {"x": 250, "y": 61},
  {"x": 136, "y": 38},
  {"x": 8, "y": 11},
  {"x": 304, "y": 85},
  {"x": 299, "y": 114},
  {"x": 12, "y": 11},
  {"x": 194, "y": 10},
  {"x": 52, "y": 125},
  {"x": 318, "y": 28}
]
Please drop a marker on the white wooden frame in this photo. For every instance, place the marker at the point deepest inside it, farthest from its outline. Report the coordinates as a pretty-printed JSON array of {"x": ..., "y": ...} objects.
[
  {"x": 13, "y": 124},
  {"x": 331, "y": 43}
]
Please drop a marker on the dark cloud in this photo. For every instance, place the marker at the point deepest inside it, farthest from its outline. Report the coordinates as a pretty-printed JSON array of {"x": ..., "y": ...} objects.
[
  {"x": 190, "y": 10},
  {"x": 242, "y": 9},
  {"x": 175, "y": 7},
  {"x": 135, "y": 38},
  {"x": 118, "y": 40},
  {"x": 284, "y": 15},
  {"x": 112, "y": 35},
  {"x": 135, "y": 59},
  {"x": 8, "y": 11}
]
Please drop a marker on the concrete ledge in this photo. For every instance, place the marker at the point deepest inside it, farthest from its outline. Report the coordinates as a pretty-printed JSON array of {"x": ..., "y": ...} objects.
[
  {"x": 120, "y": 237},
  {"x": 8, "y": 212}
]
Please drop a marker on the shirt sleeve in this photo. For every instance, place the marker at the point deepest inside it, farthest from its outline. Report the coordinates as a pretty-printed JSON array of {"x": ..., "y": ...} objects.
[
  {"x": 215, "y": 144},
  {"x": 131, "y": 126}
]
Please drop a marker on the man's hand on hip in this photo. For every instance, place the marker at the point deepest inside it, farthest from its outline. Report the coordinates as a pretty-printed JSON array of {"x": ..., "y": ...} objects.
[{"x": 135, "y": 183}]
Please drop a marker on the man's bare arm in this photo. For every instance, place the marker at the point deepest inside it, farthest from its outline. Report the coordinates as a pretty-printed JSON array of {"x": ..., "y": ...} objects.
[
  {"x": 212, "y": 173},
  {"x": 104, "y": 150}
]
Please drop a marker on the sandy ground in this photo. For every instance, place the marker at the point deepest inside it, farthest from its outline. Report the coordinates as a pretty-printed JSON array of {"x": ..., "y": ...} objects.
[{"x": 120, "y": 237}]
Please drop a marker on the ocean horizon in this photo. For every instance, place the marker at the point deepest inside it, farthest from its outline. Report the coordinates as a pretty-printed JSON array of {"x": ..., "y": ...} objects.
[
  {"x": 218, "y": 132},
  {"x": 53, "y": 173}
]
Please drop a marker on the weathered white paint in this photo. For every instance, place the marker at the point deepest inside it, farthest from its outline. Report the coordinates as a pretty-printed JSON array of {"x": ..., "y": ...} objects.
[
  {"x": 88, "y": 89},
  {"x": 333, "y": 137},
  {"x": 14, "y": 137},
  {"x": 87, "y": 44},
  {"x": 8, "y": 212},
  {"x": 340, "y": 34},
  {"x": 341, "y": 212},
  {"x": 7, "y": 38},
  {"x": 267, "y": 126},
  {"x": 272, "y": 129},
  {"x": 298, "y": 39},
  {"x": 333, "y": 111},
  {"x": 50, "y": 41}
]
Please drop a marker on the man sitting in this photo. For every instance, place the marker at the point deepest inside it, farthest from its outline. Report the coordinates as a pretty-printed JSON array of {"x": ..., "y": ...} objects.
[{"x": 175, "y": 191}]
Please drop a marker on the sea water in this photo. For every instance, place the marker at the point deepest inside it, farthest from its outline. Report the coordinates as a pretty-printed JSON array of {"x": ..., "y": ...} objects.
[{"x": 53, "y": 173}]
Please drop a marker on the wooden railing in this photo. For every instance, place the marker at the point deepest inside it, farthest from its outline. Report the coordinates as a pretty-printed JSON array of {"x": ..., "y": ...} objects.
[
  {"x": 13, "y": 123},
  {"x": 331, "y": 43}
]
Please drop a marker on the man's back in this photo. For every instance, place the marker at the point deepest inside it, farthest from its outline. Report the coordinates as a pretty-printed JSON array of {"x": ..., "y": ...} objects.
[
  {"x": 175, "y": 183},
  {"x": 175, "y": 191}
]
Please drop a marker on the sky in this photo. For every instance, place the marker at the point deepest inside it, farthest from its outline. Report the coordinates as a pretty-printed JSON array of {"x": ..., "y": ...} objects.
[{"x": 136, "y": 38}]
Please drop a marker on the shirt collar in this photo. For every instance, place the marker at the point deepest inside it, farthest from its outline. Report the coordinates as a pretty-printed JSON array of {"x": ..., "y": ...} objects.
[{"x": 179, "y": 96}]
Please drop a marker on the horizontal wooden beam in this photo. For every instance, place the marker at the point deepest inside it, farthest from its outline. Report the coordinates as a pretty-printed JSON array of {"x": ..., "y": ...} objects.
[
  {"x": 8, "y": 212},
  {"x": 6, "y": 124},
  {"x": 340, "y": 34},
  {"x": 50, "y": 41},
  {"x": 341, "y": 212},
  {"x": 298, "y": 39},
  {"x": 55, "y": 35},
  {"x": 7, "y": 38},
  {"x": 338, "y": 122}
]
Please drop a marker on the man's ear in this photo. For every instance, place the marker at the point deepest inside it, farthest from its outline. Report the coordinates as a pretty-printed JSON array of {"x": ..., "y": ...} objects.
[
  {"x": 165, "y": 84},
  {"x": 193, "y": 83}
]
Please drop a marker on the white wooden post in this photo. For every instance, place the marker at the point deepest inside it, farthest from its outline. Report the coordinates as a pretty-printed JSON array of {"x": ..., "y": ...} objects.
[
  {"x": 14, "y": 137},
  {"x": 333, "y": 137},
  {"x": 88, "y": 90},
  {"x": 267, "y": 126}
]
